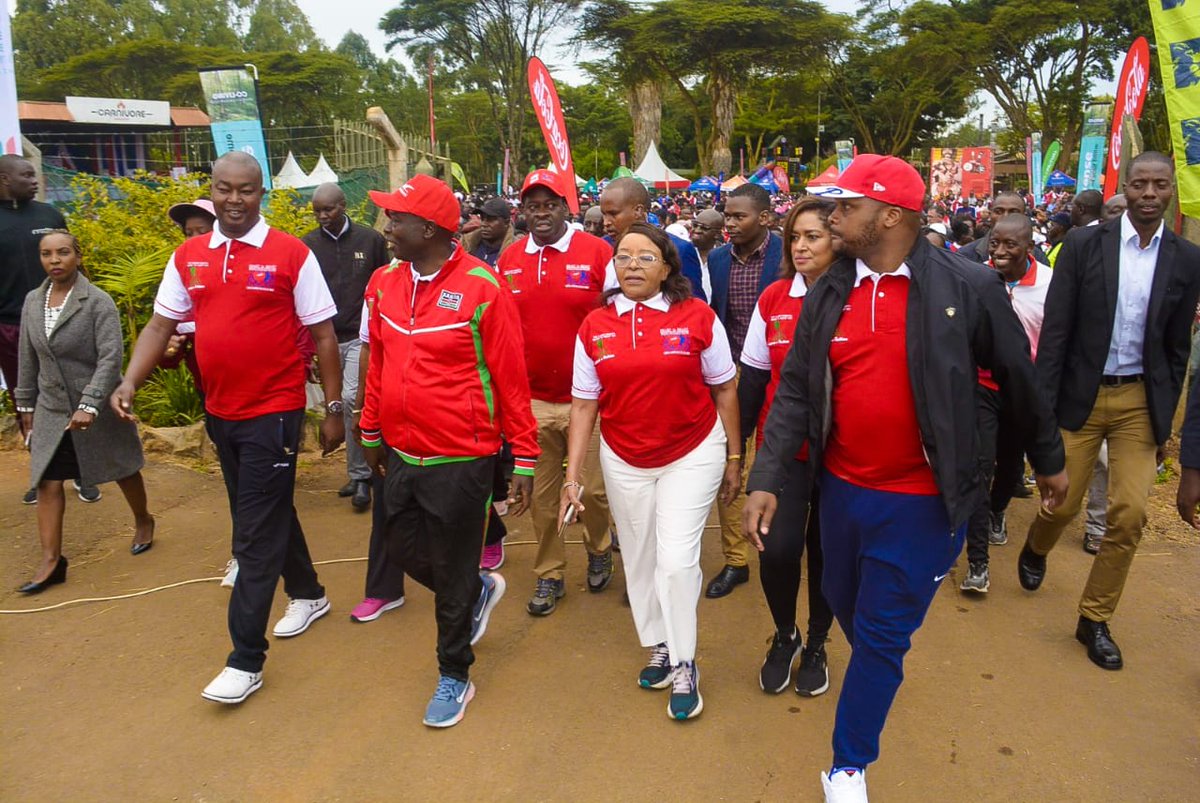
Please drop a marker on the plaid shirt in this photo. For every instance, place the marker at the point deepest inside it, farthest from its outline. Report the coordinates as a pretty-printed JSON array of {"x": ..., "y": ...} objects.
[{"x": 743, "y": 294}]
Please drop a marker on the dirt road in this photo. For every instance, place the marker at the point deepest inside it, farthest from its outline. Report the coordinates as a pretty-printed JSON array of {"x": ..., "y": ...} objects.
[{"x": 102, "y": 701}]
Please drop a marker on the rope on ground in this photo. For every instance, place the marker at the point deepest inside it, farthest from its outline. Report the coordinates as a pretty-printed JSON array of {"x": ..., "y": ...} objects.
[{"x": 197, "y": 580}]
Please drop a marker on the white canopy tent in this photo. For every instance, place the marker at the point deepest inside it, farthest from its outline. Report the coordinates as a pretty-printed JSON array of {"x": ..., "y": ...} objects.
[
  {"x": 655, "y": 171},
  {"x": 322, "y": 174},
  {"x": 290, "y": 175}
]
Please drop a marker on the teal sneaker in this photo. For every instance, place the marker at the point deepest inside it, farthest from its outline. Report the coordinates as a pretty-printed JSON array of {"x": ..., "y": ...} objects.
[
  {"x": 449, "y": 702},
  {"x": 658, "y": 670},
  {"x": 685, "y": 702}
]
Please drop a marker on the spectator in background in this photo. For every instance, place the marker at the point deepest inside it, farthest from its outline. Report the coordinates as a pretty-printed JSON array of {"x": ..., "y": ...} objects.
[
  {"x": 348, "y": 254},
  {"x": 495, "y": 232},
  {"x": 707, "y": 233},
  {"x": 1114, "y": 207},
  {"x": 626, "y": 200},
  {"x": 1056, "y": 233},
  {"x": 593, "y": 221}
]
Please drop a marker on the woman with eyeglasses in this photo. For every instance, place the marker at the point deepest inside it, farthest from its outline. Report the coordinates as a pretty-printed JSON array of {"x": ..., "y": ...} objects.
[
  {"x": 654, "y": 365},
  {"x": 807, "y": 254}
]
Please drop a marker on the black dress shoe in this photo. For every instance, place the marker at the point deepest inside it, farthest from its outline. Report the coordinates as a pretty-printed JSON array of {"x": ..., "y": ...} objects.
[
  {"x": 59, "y": 575},
  {"x": 348, "y": 489},
  {"x": 1031, "y": 568},
  {"x": 724, "y": 582},
  {"x": 362, "y": 495},
  {"x": 1103, "y": 651}
]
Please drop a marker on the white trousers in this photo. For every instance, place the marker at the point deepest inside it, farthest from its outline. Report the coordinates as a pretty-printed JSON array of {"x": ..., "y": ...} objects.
[{"x": 660, "y": 514}]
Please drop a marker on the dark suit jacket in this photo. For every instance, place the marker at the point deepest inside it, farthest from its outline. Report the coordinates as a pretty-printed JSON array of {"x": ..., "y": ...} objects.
[
  {"x": 719, "y": 260},
  {"x": 1080, "y": 307}
]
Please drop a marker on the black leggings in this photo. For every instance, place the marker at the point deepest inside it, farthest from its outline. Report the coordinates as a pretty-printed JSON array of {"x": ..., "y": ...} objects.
[
  {"x": 796, "y": 524},
  {"x": 1001, "y": 467}
]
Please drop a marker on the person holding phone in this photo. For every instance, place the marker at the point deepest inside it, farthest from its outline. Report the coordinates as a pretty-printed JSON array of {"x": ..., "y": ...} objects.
[
  {"x": 250, "y": 288},
  {"x": 654, "y": 365}
]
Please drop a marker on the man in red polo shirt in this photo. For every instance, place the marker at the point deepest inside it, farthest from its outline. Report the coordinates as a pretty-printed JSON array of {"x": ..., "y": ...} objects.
[
  {"x": 894, "y": 333},
  {"x": 445, "y": 380},
  {"x": 250, "y": 288},
  {"x": 556, "y": 275}
]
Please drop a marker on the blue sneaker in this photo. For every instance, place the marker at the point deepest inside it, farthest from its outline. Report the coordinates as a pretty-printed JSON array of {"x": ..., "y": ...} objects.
[
  {"x": 449, "y": 702},
  {"x": 686, "y": 701},
  {"x": 493, "y": 590}
]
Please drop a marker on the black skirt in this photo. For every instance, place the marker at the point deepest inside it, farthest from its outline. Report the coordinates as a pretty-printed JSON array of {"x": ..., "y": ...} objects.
[{"x": 64, "y": 465}]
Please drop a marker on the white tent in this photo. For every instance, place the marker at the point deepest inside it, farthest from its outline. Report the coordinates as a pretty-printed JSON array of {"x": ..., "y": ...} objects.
[
  {"x": 290, "y": 175},
  {"x": 655, "y": 171},
  {"x": 322, "y": 174}
]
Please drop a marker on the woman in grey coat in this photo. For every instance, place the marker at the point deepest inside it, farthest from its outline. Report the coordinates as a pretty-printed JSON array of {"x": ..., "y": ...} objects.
[{"x": 70, "y": 361}]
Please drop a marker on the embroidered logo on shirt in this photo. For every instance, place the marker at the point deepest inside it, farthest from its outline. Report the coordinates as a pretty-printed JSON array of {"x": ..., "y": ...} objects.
[
  {"x": 260, "y": 279},
  {"x": 676, "y": 341},
  {"x": 360, "y": 254},
  {"x": 600, "y": 346},
  {"x": 838, "y": 337},
  {"x": 193, "y": 268},
  {"x": 450, "y": 301},
  {"x": 511, "y": 277},
  {"x": 579, "y": 277},
  {"x": 778, "y": 335}
]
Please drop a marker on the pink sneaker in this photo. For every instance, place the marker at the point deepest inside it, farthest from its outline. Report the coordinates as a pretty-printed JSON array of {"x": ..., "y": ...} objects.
[
  {"x": 371, "y": 608},
  {"x": 493, "y": 557}
]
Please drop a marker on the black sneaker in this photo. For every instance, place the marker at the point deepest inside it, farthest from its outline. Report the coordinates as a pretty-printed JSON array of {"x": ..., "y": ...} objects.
[
  {"x": 30, "y": 497},
  {"x": 658, "y": 672},
  {"x": 776, "y": 672},
  {"x": 546, "y": 596},
  {"x": 685, "y": 702},
  {"x": 997, "y": 529},
  {"x": 600, "y": 571},
  {"x": 87, "y": 493},
  {"x": 812, "y": 678}
]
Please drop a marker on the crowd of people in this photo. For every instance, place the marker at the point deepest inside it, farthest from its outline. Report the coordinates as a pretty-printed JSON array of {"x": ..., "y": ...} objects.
[{"x": 855, "y": 379}]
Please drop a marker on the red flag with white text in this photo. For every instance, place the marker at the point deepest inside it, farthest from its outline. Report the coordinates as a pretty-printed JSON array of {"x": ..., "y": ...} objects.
[{"x": 549, "y": 113}]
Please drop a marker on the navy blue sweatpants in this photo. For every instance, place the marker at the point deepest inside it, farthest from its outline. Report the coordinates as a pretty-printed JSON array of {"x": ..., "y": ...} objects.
[{"x": 885, "y": 556}]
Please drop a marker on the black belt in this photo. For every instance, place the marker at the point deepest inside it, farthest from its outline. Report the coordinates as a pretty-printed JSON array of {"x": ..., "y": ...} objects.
[{"x": 1112, "y": 381}]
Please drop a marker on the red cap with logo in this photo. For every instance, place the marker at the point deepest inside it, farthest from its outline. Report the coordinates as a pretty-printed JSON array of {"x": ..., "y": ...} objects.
[
  {"x": 543, "y": 178},
  {"x": 425, "y": 197},
  {"x": 885, "y": 179}
]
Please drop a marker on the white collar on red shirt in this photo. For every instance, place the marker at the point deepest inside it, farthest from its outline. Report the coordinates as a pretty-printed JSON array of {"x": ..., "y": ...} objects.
[
  {"x": 799, "y": 287},
  {"x": 561, "y": 244},
  {"x": 255, "y": 237},
  {"x": 624, "y": 303},
  {"x": 862, "y": 272}
]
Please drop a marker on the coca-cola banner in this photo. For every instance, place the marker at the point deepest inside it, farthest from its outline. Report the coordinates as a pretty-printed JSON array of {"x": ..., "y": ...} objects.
[
  {"x": 549, "y": 114},
  {"x": 1131, "y": 96}
]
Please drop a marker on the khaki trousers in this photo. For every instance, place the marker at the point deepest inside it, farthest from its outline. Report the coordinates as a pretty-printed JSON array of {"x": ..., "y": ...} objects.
[
  {"x": 734, "y": 545},
  {"x": 548, "y": 476},
  {"x": 1120, "y": 416}
]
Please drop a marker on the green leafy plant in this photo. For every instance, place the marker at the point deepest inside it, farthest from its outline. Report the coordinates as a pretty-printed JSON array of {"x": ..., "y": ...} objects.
[
  {"x": 132, "y": 280},
  {"x": 169, "y": 399}
]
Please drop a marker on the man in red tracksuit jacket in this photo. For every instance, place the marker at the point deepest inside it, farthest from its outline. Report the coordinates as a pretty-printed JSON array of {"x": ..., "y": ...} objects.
[{"x": 446, "y": 378}]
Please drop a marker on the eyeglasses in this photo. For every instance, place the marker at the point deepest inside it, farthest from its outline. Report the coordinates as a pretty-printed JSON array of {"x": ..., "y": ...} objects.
[
  {"x": 643, "y": 260},
  {"x": 548, "y": 206}
]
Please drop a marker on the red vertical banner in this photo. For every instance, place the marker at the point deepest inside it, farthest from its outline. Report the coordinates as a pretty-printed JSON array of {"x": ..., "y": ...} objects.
[
  {"x": 550, "y": 116},
  {"x": 1131, "y": 96},
  {"x": 976, "y": 172}
]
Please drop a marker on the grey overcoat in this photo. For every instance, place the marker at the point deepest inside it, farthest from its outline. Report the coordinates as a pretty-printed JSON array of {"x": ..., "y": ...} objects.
[{"x": 79, "y": 363}]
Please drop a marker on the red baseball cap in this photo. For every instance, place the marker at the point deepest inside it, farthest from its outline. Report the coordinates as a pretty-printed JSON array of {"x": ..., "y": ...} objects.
[
  {"x": 423, "y": 196},
  {"x": 881, "y": 178},
  {"x": 543, "y": 178}
]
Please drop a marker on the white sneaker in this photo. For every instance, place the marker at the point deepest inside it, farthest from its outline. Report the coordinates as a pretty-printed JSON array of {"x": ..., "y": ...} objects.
[
  {"x": 299, "y": 615},
  {"x": 230, "y": 574},
  {"x": 845, "y": 787},
  {"x": 232, "y": 686}
]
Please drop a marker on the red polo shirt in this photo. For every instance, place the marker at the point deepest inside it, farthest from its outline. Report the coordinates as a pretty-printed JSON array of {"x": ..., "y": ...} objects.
[
  {"x": 650, "y": 365},
  {"x": 250, "y": 297},
  {"x": 875, "y": 439},
  {"x": 555, "y": 286},
  {"x": 769, "y": 338}
]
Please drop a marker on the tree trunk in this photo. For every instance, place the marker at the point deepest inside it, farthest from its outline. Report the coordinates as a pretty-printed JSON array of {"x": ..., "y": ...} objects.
[
  {"x": 723, "y": 97},
  {"x": 645, "y": 110}
]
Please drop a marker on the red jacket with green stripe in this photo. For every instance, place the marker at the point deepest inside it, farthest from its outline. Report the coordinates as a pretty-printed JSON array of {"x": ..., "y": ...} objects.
[{"x": 447, "y": 374}]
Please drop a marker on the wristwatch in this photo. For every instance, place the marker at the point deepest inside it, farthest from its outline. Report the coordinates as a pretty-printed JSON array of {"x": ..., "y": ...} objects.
[{"x": 334, "y": 407}]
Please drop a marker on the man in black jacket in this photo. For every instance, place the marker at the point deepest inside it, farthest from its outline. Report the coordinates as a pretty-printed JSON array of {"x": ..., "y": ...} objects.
[
  {"x": 1113, "y": 354},
  {"x": 348, "y": 254},
  {"x": 881, "y": 382}
]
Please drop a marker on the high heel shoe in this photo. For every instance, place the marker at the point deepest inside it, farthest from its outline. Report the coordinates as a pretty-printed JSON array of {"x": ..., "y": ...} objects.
[
  {"x": 59, "y": 575},
  {"x": 137, "y": 549}
]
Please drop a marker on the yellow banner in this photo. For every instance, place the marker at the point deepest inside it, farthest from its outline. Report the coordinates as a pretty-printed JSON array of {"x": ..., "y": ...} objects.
[{"x": 1177, "y": 30}]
